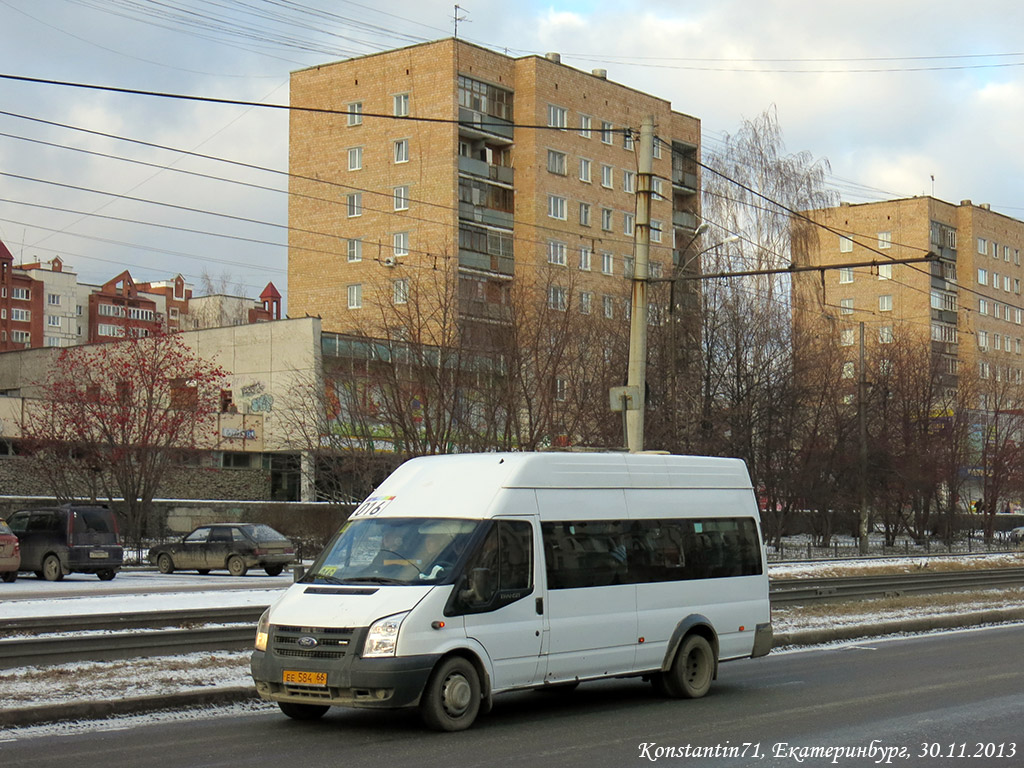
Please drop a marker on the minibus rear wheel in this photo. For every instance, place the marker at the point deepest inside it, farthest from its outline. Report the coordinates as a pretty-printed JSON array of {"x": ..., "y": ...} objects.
[
  {"x": 691, "y": 672},
  {"x": 303, "y": 711},
  {"x": 451, "y": 700}
]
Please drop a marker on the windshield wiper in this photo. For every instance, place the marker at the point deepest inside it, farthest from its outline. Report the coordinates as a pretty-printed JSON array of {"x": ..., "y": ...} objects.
[
  {"x": 371, "y": 580},
  {"x": 322, "y": 577}
]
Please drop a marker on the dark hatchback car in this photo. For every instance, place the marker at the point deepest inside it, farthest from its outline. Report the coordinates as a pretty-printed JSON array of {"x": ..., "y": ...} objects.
[
  {"x": 10, "y": 553},
  {"x": 72, "y": 538},
  {"x": 234, "y": 546}
]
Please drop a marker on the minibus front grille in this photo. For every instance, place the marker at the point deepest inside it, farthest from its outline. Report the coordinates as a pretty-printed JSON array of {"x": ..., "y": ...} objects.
[{"x": 298, "y": 642}]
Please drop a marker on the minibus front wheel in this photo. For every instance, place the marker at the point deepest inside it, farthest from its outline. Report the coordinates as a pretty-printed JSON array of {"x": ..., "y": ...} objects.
[{"x": 451, "y": 699}]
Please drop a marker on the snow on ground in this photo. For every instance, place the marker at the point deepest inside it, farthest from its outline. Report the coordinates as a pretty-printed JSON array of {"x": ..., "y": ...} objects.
[{"x": 141, "y": 591}]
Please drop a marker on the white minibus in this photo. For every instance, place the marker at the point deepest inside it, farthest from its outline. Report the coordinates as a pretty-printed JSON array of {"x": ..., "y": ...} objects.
[{"x": 464, "y": 576}]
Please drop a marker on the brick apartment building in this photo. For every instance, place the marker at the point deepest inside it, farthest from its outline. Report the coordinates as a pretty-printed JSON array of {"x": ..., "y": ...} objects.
[
  {"x": 967, "y": 304},
  {"x": 494, "y": 169},
  {"x": 44, "y": 305}
]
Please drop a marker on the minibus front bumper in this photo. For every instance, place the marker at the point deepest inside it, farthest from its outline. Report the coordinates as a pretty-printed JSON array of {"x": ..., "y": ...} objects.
[{"x": 347, "y": 680}]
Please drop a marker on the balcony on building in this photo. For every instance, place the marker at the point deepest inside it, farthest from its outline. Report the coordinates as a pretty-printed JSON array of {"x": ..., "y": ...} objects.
[
  {"x": 485, "y": 249},
  {"x": 685, "y": 179},
  {"x": 485, "y": 111}
]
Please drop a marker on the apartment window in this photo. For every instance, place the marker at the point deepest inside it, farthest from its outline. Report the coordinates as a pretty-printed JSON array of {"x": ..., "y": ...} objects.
[
  {"x": 657, "y": 148},
  {"x": 1017, "y": 346},
  {"x": 885, "y": 271},
  {"x": 606, "y": 219},
  {"x": 984, "y": 370},
  {"x": 53, "y": 299},
  {"x": 655, "y": 231},
  {"x": 846, "y": 306},
  {"x": 558, "y": 117},
  {"x": 400, "y": 291},
  {"x": 884, "y": 240},
  {"x": 607, "y": 176},
  {"x": 584, "y": 214},
  {"x": 53, "y": 341},
  {"x": 557, "y": 162},
  {"x": 995, "y": 280},
  {"x": 627, "y": 223},
  {"x": 997, "y": 310},
  {"x": 885, "y": 334},
  {"x": 657, "y": 186},
  {"x": 561, "y": 390},
  {"x": 557, "y": 207},
  {"x": 629, "y": 182},
  {"x": 627, "y": 266},
  {"x": 556, "y": 298},
  {"x": 656, "y": 269},
  {"x": 885, "y": 303},
  {"x": 1006, "y": 283},
  {"x": 846, "y": 337},
  {"x": 24, "y": 337},
  {"x": 995, "y": 249},
  {"x": 606, "y": 132},
  {"x": 355, "y": 249},
  {"x": 401, "y": 198},
  {"x": 584, "y": 170},
  {"x": 846, "y": 274},
  {"x": 400, "y": 243},
  {"x": 845, "y": 244},
  {"x": 627, "y": 140},
  {"x": 355, "y": 158},
  {"x": 21, "y": 315},
  {"x": 585, "y": 256},
  {"x": 585, "y": 123},
  {"x": 1006, "y": 253},
  {"x": 401, "y": 104},
  {"x": 983, "y": 246},
  {"x": 557, "y": 252},
  {"x": 607, "y": 263},
  {"x": 1016, "y": 285},
  {"x": 355, "y": 296},
  {"x": 21, "y": 294},
  {"x": 849, "y": 369},
  {"x": 355, "y": 113},
  {"x": 997, "y": 342},
  {"x": 402, "y": 151},
  {"x": 104, "y": 329},
  {"x": 53, "y": 321},
  {"x": 586, "y": 298},
  {"x": 1017, "y": 313},
  {"x": 982, "y": 277},
  {"x": 354, "y": 203},
  {"x": 982, "y": 339},
  {"x": 608, "y": 305}
]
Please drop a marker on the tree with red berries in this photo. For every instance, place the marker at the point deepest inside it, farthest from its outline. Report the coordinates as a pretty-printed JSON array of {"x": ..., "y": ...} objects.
[{"x": 112, "y": 417}]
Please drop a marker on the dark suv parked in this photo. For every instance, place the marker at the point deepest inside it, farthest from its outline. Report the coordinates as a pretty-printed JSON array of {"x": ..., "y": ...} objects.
[{"x": 69, "y": 539}]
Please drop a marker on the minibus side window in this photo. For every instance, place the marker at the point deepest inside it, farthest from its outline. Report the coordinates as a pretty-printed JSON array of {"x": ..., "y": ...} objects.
[{"x": 499, "y": 572}]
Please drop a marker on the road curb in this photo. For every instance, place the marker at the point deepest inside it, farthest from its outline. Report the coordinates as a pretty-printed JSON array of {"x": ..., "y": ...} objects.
[
  {"x": 97, "y": 710},
  {"x": 920, "y": 624}
]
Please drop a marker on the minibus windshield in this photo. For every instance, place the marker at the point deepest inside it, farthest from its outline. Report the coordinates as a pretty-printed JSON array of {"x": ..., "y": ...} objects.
[{"x": 400, "y": 551}]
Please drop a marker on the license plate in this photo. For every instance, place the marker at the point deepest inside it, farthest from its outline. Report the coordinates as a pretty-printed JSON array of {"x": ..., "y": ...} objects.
[
  {"x": 98, "y": 554},
  {"x": 305, "y": 678}
]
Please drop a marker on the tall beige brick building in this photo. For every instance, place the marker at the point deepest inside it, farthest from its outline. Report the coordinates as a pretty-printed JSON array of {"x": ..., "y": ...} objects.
[
  {"x": 967, "y": 304},
  {"x": 449, "y": 159}
]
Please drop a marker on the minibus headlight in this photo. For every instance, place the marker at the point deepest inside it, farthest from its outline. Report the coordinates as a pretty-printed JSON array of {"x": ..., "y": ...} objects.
[
  {"x": 263, "y": 631},
  {"x": 382, "y": 639}
]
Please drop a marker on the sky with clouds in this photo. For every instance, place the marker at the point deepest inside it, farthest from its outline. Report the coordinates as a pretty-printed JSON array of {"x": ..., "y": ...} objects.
[{"x": 890, "y": 92}]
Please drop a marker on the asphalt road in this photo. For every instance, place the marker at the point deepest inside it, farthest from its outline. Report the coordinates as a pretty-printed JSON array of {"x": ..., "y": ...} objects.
[{"x": 925, "y": 694}]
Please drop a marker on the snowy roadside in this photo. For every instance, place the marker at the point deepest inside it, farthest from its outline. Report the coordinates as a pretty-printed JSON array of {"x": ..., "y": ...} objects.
[{"x": 38, "y": 686}]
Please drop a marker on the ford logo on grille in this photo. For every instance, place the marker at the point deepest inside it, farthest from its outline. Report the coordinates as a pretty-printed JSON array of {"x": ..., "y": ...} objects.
[{"x": 306, "y": 641}]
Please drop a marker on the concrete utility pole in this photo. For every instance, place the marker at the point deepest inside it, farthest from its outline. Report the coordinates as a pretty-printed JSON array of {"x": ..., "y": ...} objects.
[{"x": 637, "y": 374}]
